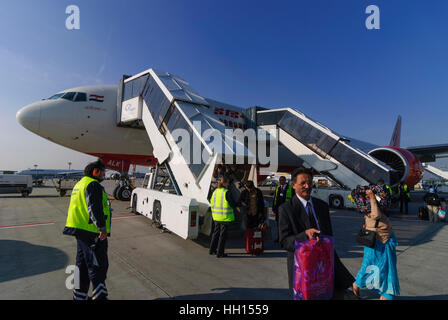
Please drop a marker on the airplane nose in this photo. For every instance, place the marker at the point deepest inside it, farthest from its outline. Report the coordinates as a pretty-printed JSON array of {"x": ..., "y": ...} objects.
[{"x": 29, "y": 117}]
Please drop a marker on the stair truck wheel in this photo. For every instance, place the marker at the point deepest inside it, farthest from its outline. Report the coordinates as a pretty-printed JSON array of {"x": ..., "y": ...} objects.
[
  {"x": 336, "y": 202},
  {"x": 134, "y": 205},
  {"x": 157, "y": 213}
]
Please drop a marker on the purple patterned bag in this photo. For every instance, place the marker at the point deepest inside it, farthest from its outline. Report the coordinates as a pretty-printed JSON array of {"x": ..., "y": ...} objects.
[
  {"x": 314, "y": 269},
  {"x": 363, "y": 204}
]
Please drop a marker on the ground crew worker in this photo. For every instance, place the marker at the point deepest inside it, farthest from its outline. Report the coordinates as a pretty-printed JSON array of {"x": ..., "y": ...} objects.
[
  {"x": 283, "y": 193},
  {"x": 89, "y": 219},
  {"x": 385, "y": 187},
  {"x": 222, "y": 206},
  {"x": 388, "y": 191},
  {"x": 404, "y": 196}
]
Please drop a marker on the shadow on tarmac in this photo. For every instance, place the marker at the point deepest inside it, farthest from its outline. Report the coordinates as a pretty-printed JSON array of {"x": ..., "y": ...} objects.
[
  {"x": 20, "y": 259},
  {"x": 236, "y": 240},
  {"x": 238, "y": 294},
  {"x": 373, "y": 295}
]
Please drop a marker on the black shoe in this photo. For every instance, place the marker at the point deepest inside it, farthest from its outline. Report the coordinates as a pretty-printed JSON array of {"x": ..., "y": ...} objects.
[
  {"x": 222, "y": 256},
  {"x": 349, "y": 295},
  {"x": 212, "y": 253}
]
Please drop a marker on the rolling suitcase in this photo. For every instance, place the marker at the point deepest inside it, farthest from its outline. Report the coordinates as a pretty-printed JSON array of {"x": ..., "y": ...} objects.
[{"x": 255, "y": 241}]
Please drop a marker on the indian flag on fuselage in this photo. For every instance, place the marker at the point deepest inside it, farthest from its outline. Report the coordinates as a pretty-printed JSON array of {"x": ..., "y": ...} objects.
[{"x": 97, "y": 98}]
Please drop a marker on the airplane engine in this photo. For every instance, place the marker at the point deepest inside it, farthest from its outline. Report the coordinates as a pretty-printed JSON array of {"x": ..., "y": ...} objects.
[{"x": 408, "y": 166}]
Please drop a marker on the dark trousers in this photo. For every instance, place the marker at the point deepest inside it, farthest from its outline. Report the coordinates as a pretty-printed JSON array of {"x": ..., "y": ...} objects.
[
  {"x": 405, "y": 201},
  {"x": 88, "y": 272},
  {"x": 219, "y": 238}
]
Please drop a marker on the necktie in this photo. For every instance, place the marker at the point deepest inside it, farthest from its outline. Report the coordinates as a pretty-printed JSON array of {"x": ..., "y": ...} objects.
[{"x": 311, "y": 216}]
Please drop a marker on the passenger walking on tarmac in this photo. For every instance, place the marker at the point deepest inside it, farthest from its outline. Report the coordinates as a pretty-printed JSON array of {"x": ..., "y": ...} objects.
[
  {"x": 379, "y": 265},
  {"x": 443, "y": 208},
  {"x": 404, "y": 196},
  {"x": 283, "y": 193},
  {"x": 388, "y": 191},
  {"x": 252, "y": 200},
  {"x": 433, "y": 204},
  {"x": 222, "y": 205},
  {"x": 304, "y": 217},
  {"x": 89, "y": 220}
]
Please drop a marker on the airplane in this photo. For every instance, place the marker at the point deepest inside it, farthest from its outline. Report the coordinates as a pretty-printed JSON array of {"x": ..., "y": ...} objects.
[
  {"x": 85, "y": 119},
  {"x": 39, "y": 174},
  {"x": 49, "y": 173}
]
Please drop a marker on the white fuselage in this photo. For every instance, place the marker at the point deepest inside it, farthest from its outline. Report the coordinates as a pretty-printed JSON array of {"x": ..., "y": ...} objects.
[{"x": 87, "y": 126}]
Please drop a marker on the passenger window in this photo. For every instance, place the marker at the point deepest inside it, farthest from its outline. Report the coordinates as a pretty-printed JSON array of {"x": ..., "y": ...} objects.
[
  {"x": 81, "y": 96},
  {"x": 69, "y": 96}
]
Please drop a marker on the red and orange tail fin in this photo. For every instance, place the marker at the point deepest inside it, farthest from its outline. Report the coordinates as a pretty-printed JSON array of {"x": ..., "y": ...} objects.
[{"x": 396, "y": 135}]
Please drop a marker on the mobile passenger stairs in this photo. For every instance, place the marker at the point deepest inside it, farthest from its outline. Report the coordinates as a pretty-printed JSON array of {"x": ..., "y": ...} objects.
[
  {"x": 436, "y": 171},
  {"x": 176, "y": 192}
]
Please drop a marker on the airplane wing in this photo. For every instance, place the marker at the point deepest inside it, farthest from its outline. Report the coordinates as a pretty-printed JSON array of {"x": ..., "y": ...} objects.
[
  {"x": 429, "y": 153},
  {"x": 70, "y": 173}
]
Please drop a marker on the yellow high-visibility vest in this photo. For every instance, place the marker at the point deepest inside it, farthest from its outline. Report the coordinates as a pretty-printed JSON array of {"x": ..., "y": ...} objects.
[
  {"x": 78, "y": 215},
  {"x": 405, "y": 188},
  {"x": 288, "y": 193},
  {"x": 389, "y": 188},
  {"x": 221, "y": 209}
]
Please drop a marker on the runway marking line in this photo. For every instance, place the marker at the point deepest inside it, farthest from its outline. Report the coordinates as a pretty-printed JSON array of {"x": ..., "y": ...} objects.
[
  {"x": 50, "y": 223},
  {"x": 26, "y": 225},
  {"x": 123, "y": 217},
  {"x": 13, "y": 205}
]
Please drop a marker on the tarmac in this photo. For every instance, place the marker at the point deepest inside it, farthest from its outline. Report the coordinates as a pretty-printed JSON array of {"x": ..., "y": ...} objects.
[{"x": 36, "y": 259}]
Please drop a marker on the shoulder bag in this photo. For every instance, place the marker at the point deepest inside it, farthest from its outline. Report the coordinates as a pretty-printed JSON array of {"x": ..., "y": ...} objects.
[{"x": 366, "y": 237}]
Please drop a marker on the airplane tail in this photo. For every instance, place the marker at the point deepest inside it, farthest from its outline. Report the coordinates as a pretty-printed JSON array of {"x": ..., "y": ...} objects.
[{"x": 396, "y": 135}]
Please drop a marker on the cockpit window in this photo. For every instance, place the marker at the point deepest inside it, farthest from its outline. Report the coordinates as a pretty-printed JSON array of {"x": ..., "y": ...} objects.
[
  {"x": 81, "y": 97},
  {"x": 69, "y": 96},
  {"x": 56, "y": 96}
]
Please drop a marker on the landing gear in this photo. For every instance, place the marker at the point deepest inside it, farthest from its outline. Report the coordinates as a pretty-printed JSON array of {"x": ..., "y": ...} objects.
[
  {"x": 123, "y": 193},
  {"x": 123, "y": 190}
]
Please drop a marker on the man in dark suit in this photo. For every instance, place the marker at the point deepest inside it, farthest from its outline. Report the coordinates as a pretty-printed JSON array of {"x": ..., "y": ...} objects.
[
  {"x": 283, "y": 192},
  {"x": 305, "y": 217},
  {"x": 252, "y": 201}
]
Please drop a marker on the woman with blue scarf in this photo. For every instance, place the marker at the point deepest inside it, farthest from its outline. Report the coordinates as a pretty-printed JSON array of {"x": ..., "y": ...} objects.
[{"x": 379, "y": 265}]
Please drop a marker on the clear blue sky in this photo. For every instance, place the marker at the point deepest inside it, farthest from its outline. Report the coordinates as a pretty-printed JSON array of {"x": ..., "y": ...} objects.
[{"x": 315, "y": 55}]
